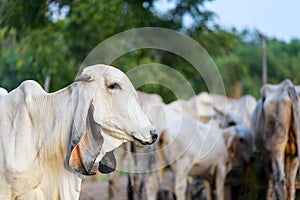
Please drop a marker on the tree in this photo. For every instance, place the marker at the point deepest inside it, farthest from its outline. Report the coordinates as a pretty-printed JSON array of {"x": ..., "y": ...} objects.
[
  {"x": 36, "y": 42},
  {"x": 242, "y": 68},
  {"x": 43, "y": 45},
  {"x": 34, "y": 57}
]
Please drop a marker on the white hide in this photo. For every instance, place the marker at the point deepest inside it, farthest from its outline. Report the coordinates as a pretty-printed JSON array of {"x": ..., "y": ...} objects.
[
  {"x": 195, "y": 149},
  {"x": 43, "y": 135},
  {"x": 3, "y": 91}
]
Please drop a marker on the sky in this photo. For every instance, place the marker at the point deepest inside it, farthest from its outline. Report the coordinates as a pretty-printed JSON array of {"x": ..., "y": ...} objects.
[{"x": 274, "y": 18}]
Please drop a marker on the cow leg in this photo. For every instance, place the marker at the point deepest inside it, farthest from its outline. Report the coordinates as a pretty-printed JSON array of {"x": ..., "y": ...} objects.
[
  {"x": 283, "y": 134},
  {"x": 181, "y": 177},
  {"x": 279, "y": 180},
  {"x": 208, "y": 189},
  {"x": 189, "y": 183},
  {"x": 220, "y": 181},
  {"x": 278, "y": 163},
  {"x": 278, "y": 157},
  {"x": 287, "y": 170},
  {"x": 268, "y": 170},
  {"x": 180, "y": 186},
  {"x": 181, "y": 169},
  {"x": 113, "y": 185},
  {"x": 270, "y": 192},
  {"x": 152, "y": 186},
  {"x": 293, "y": 173}
]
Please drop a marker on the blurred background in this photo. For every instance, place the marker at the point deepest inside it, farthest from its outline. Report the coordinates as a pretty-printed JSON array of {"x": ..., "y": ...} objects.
[{"x": 48, "y": 40}]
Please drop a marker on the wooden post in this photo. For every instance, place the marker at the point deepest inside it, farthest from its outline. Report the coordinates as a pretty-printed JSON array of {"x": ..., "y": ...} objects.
[{"x": 264, "y": 60}]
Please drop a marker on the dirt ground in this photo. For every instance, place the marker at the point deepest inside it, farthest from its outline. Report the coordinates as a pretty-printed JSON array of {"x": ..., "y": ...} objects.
[
  {"x": 98, "y": 190},
  {"x": 254, "y": 187}
]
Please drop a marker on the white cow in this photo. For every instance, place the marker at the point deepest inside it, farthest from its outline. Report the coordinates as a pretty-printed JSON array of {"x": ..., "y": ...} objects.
[
  {"x": 275, "y": 123},
  {"x": 193, "y": 149},
  {"x": 127, "y": 157},
  {"x": 203, "y": 104},
  {"x": 182, "y": 108},
  {"x": 239, "y": 111},
  {"x": 153, "y": 105},
  {"x": 232, "y": 111},
  {"x": 205, "y": 107},
  {"x": 48, "y": 142},
  {"x": 145, "y": 185}
]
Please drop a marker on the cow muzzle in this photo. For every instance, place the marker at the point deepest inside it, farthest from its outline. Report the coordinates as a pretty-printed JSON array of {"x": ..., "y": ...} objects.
[{"x": 147, "y": 141}]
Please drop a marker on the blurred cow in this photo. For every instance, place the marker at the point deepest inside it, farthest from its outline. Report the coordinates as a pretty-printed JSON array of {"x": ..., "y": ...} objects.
[
  {"x": 133, "y": 159},
  {"x": 275, "y": 123},
  {"x": 193, "y": 148},
  {"x": 228, "y": 111},
  {"x": 145, "y": 185}
]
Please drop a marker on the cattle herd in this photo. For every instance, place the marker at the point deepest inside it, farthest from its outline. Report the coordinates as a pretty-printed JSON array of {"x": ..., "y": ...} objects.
[
  {"x": 236, "y": 130},
  {"x": 48, "y": 142}
]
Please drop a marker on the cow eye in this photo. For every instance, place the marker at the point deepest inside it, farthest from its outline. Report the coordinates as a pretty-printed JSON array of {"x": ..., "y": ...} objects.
[{"x": 114, "y": 86}]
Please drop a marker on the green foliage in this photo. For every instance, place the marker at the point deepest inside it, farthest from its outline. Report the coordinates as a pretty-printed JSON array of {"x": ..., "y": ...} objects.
[
  {"x": 23, "y": 15},
  {"x": 241, "y": 69},
  {"x": 34, "y": 57},
  {"x": 36, "y": 43}
]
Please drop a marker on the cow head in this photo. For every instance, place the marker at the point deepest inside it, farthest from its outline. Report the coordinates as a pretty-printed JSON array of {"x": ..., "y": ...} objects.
[
  {"x": 239, "y": 144},
  {"x": 107, "y": 114}
]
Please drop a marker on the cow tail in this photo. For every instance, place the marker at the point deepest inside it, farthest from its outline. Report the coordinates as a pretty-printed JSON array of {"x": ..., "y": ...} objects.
[{"x": 295, "y": 106}]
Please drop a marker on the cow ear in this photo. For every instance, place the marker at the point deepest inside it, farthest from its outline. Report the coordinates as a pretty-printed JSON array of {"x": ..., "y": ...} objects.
[
  {"x": 219, "y": 111},
  {"x": 83, "y": 77},
  {"x": 219, "y": 114},
  {"x": 85, "y": 145},
  {"x": 230, "y": 136},
  {"x": 108, "y": 163},
  {"x": 230, "y": 144}
]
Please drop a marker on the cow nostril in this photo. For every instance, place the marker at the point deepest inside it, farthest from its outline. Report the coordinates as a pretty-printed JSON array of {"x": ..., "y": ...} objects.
[{"x": 154, "y": 137}]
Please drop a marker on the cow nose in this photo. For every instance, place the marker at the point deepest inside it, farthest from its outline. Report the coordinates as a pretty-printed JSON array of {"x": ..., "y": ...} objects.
[{"x": 154, "y": 135}]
